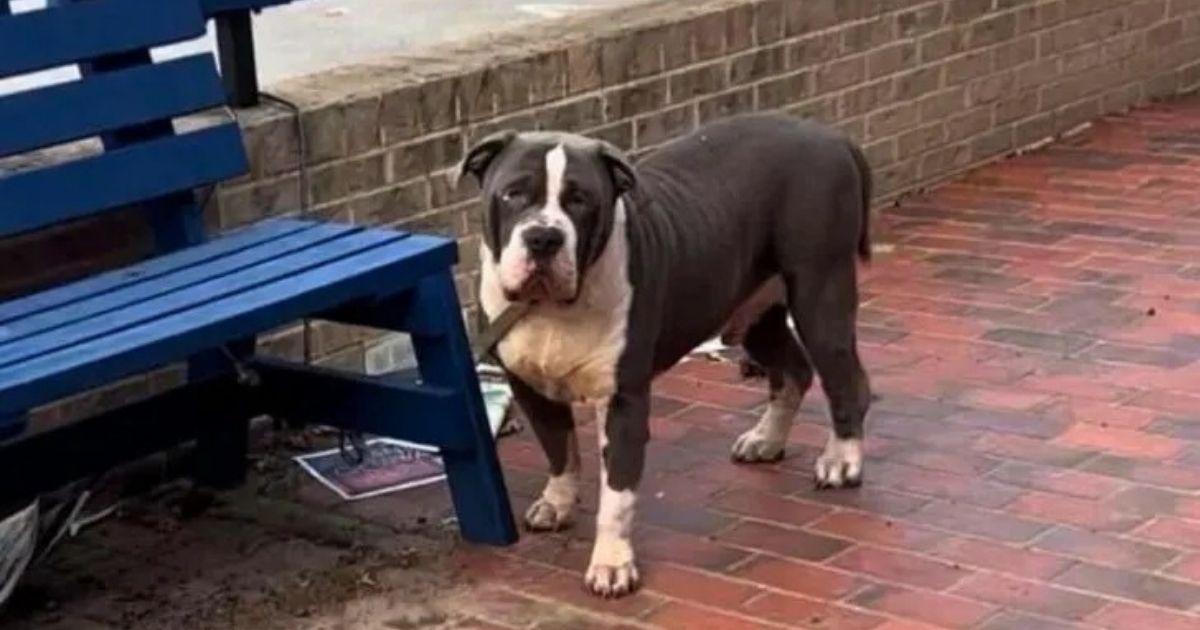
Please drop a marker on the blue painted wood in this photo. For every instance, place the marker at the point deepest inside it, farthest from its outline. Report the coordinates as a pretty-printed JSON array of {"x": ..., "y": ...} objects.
[
  {"x": 43, "y": 197},
  {"x": 392, "y": 267},
  {"x": 229, "y": 244},
  {"x": 398, "y": 316},
  {"x": 185, "y": 306},
  {"x": 108, "y": 101},
  {"x": 199, "y": 290},
  {"x": 372, "y": 404},
  {"x": 476, "y": 480},
  {"x": 223, "y": 442},
  {"x": 12, "y": 425},
  {"x": 216, "y": 272},
  {"x": 176, "y": 220},
  {"x": 47, "y": 461},
  {"x": 115, "y": 63},
  {"x": 37, "y": 40}
]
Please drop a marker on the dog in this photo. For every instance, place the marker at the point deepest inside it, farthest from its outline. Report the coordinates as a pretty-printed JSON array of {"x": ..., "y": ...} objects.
[{"x": 624, "y": 269}]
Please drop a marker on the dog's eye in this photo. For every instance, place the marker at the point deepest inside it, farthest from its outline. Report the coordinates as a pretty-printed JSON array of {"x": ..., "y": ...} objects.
[
  {"x": 574, "y": 198},
  {"x": 512, "y": 196}
]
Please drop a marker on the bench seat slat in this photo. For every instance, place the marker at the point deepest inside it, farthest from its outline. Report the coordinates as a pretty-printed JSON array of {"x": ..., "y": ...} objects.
[
  {"x": 392, "y": 265},
  {"x": 66, "y": 34},
  {"x": 230, "y": 244},
  {"x": 215, "y": 271},
  {"x": 37, "y": 198},
  {"x": 266, "y": 270},
  {"x": 108, "y": 101}
]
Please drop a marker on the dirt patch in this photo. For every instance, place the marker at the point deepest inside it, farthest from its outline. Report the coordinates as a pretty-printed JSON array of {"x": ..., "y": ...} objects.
[{"x": 280, "y": 552}]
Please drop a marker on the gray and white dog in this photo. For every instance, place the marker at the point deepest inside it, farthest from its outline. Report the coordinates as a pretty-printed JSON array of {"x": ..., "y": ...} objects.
[{"x": 735, "y": 227}]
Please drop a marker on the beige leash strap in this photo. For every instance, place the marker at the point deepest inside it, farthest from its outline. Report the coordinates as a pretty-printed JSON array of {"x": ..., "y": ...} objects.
[{"x": 496, "y": 330}]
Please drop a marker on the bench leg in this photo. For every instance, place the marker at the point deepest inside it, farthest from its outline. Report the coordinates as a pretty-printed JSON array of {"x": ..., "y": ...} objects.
[
  {"x": 221, "y": 451},
  {"x": 235, "y": 45},
  {"x": 11, "y": 425},
  {"x": 223, "y": 440},
  {"x": 475, "y": 479}
]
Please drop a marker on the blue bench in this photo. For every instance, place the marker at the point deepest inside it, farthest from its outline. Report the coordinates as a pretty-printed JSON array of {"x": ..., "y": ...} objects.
[
  {"x": 202, "y": 301},
  {"x": 235, "y": 43}
]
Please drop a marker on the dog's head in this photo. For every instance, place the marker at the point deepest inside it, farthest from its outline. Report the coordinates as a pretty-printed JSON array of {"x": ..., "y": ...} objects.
[{"x": 549, "y": 201}]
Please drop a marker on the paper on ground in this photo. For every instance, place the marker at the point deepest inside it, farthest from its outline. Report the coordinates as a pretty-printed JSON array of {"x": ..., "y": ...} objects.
[{"x": 390, "y": 465}]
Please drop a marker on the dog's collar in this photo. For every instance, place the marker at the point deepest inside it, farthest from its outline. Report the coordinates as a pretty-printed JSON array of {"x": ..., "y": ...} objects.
[{"x": 497, "y": 329}]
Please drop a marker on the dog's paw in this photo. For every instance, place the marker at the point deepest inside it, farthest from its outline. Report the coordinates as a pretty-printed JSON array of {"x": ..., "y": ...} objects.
[
  {"x": 612, "y": 572},
  {"x": 609, "y": 581},
  {"x": 752, "y": 447},
  {"x": 841, "y": 465},
  {"x": 544, "y": 516}
]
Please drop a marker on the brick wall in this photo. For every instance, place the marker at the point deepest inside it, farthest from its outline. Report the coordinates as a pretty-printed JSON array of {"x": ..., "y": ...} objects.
[{"x": 930, "y": 87}]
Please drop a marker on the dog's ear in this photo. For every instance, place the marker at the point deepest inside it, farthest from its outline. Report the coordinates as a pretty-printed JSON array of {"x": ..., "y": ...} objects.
[
  {"x": 624, "y": 175},
  {"x": 481, "y": 155}
]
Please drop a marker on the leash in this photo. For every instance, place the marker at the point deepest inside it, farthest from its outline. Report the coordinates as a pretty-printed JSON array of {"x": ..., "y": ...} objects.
[{"x": 497, "y": 329}]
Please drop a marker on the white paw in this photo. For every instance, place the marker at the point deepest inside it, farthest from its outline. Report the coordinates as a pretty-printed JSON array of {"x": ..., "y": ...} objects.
[
  {"x": 612, "y": 572},
  {"x": 765, "y": 442},
  {"x": 754, "y": 446},
  {"x": 544, "y": 516},
  {"x": 840, "y": 466},
  {"x": 612, "y": 581}
]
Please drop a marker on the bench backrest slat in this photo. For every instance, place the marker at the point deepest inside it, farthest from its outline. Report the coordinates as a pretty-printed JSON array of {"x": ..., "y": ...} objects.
[
  {"x": 67, "y": 34},
  {"x": 112, "y": 100},
  {"x": 124, "y": 98},
  {"x": 38, "y": 198}
]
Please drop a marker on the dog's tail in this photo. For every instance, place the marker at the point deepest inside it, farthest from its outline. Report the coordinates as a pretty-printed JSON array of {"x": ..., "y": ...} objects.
[{"x": 867, "y": 179}]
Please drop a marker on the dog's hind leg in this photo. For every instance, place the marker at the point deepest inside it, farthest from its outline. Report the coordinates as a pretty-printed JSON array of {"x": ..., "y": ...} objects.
[
  {"x": 554, "y": 426},
  {"x": 824, "y": 305},
  {"x": 770, "y": 343}
]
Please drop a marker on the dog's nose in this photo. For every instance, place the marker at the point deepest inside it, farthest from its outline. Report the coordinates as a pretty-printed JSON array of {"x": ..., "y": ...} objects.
[{"x": 543, "y": 242}]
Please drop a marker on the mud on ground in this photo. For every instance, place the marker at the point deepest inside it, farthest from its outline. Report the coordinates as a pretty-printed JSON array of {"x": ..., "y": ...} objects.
[{"x": 281, "y": 552}]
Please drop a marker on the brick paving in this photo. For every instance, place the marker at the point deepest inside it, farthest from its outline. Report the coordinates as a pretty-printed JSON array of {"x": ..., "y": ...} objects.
[
  {"x": 1032, "y": 330},
  {"x": 1033, "y": 335}
]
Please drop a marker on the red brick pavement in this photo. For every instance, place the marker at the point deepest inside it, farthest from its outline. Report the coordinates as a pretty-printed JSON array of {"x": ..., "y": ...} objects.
[{"x": 1034, "y": 455}]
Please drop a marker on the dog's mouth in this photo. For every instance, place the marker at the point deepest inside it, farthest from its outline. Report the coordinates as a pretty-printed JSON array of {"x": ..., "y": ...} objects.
[{"x": 541, "y": 284}]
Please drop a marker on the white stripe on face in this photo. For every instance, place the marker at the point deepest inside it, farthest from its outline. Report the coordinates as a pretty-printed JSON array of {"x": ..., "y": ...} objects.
[
  {"x": 515, "y": 262},
  {"x": 553, "y": 213},
  {"x": 556, "y": 170}
]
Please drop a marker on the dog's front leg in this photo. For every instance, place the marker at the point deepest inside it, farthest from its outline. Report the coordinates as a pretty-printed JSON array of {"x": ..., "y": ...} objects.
[
  {"x": 623, "y": 430},
  {"x": 554, "y": 426}
]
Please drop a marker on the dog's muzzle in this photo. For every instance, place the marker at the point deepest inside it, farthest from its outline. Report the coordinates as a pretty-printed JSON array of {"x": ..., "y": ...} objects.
[
  {"x": 543, "y": 242},
  {"x": 539, "y": 265}
]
